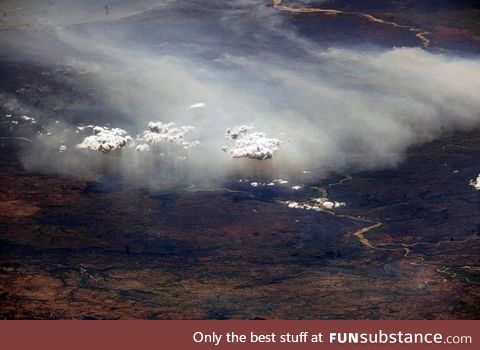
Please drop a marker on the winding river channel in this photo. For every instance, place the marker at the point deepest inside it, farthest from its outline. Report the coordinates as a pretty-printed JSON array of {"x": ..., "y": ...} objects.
[{"x": 420, "y": 34}]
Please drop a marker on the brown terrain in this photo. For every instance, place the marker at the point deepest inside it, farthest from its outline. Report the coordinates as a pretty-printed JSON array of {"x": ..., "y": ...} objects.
[{"x": 406, "y": 246}]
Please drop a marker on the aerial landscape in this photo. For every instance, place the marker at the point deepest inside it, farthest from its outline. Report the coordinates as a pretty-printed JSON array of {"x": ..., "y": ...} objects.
[{"x": 240, "y": 159}]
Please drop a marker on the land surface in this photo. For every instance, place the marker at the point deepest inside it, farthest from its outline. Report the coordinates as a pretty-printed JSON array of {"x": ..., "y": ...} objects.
[{"x": 406, "y": 246}]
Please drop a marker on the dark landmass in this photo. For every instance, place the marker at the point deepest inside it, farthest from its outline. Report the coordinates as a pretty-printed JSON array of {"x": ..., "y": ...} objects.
[
  {"x": 73, "y": 248},
  {"x": 451, "y": 25},
  {"x": 406, "y": 246}
]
